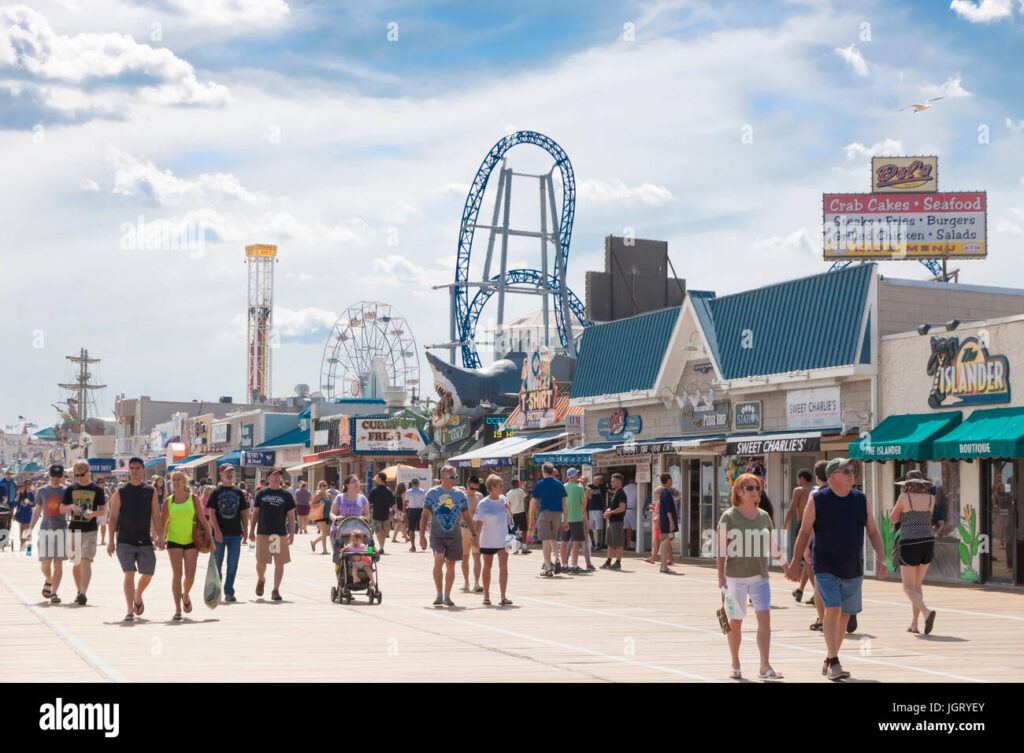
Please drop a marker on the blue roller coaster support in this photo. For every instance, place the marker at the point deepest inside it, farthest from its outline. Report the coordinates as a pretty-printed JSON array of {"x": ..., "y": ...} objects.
[{"x": 465, "y": 318}]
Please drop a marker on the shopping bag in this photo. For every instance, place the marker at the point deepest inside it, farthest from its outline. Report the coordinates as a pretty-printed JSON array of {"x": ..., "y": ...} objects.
[{"x": 211, "y": 591}]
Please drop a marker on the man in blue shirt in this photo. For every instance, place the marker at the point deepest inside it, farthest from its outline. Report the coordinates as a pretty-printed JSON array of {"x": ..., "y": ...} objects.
[
  {"x": 549, "y": 495},
  {"x": 443, "y": 506}
]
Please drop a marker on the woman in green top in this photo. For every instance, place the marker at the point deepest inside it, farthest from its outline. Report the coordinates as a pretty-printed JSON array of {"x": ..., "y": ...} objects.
[
  {"x": 744, "y": 543},
  {"x": 180, "y": 510}
]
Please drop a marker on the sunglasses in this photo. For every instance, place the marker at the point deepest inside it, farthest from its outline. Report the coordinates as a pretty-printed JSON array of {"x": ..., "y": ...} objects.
[
  {"x": 751, "y": 488},
  {"x": 847, "y": 470},
  {"x": 80, "y": 475},
  {"x": 451, "y": 477}
]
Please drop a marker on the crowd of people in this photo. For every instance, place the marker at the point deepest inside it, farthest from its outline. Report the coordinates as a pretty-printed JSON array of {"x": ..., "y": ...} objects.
[{"x": 474, "y": 525}]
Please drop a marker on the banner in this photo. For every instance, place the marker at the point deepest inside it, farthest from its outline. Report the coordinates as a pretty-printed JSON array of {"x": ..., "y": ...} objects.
[
  {"x": 220, "y": 433},
  {"x": 245, "y": 436},
  {"x": 755, "y": 446},
  {"x": 457, "y": 429},
  {"x": 387, "y": 435},
  {"x": 538, "y": 392},
  {"x": 257, "y": 459}
]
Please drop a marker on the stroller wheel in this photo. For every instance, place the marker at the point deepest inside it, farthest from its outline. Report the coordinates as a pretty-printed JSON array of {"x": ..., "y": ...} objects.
[
  {"x": 334, "y": 593},
  {"x": 370, "y": 593},
  {"x": 380, "y": 596},
  {"x": 347, "y": 599}
]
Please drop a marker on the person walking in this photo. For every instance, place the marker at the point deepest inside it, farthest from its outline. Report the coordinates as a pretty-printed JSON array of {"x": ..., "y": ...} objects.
[
  {"x": 744, "y": 544},
  {"x": 101, "y": 521},
  {"x": 791, "y": 524},
  {"x": 655, "y": 529},
  {"x": 667, "y": 521},
  {"x": 382, "y": 502},
  {"x": 913, "y": 511},
  {"x": 838, "y": 516},
  {"x": 182, "y": 509},
  {"x": 491, "y": 519},
  {"x": 133, "y": 520},
  {"x": 517, "y": 504},
  {"x": 629, "y": 522},
  {"x": 160, "y": 485},
  {"x": 471, "y": 545},
  {"x": 229, "y": 518},
  {"x": 52, "y": 515},
  {"x": 547, "y": 504},
  {"x": 596, "y": 503},
  {"x": 273, "y": 524},
  {"x": 88, "y": 503},
  {"x": 414, "y": 497},
  {"x": 443, "y": 507},
  {"x": 8, "y": 488},
  {"x": 24, "y": 507},
  {"x": 615, "y": 514},
  {"x": 320, "y": 514},
  {"x": 303, "y": 497}
]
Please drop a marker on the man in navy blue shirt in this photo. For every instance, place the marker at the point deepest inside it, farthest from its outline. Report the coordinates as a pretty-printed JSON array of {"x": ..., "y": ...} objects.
[
  {"x": 549, "y": 495},
  {"x": 668, "y": 520}
]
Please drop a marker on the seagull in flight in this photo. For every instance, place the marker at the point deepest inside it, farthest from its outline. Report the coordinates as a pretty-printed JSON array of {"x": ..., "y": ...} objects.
[{"x": 926, "y": 105}]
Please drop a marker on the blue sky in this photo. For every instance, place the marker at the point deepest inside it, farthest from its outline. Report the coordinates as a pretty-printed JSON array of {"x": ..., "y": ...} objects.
[{"x": 301, "y": 124}]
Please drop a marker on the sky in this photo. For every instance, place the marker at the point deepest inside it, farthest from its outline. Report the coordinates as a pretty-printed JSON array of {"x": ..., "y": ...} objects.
[{"x": 349, "y": 133}]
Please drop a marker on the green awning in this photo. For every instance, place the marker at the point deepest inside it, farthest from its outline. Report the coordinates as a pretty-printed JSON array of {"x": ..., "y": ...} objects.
[
  {"x": 907, "y": 436},
  {"x": 992, "y": 433}
]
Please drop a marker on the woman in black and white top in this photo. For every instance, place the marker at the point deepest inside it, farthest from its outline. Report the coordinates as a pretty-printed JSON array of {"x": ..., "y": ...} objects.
[{"x": 916, "y": 545}]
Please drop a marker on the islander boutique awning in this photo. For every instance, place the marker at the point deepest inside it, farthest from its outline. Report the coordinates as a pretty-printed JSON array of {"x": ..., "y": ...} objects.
[
  {"x": 907, "y": 436},
  {"x": 502, "y": 452},
  {"x": 574, "y": 455},
  {"x": 992, "y": 433}
]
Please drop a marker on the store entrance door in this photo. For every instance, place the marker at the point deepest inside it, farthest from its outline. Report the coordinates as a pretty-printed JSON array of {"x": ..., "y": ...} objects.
[
  {"x": 693, "y": 498},
  {"x": 1000, "y": 499}
]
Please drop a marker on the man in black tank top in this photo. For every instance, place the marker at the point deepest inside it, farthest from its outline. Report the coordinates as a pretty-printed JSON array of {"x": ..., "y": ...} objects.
[
  {"x": 838, "y": 516},
  {"x": 134, "y": 513}
]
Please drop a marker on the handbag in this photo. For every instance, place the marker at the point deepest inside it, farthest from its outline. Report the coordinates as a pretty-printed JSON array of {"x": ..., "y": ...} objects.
[
  {"x": 200, "y": 536},
  {"x": 723, "y": 618},
  {"x": 316, "y": 517}
]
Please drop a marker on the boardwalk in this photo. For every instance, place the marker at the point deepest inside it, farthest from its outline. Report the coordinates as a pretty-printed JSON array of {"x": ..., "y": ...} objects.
[{"x": 634, "y": 625}]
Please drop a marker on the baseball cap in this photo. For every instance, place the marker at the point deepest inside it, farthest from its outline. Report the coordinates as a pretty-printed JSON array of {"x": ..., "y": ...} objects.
[
  {"x": 228, "y": 467},
  {"x": 276, "y": 470},
  {"x": 836, "y": 464},
  {"x": 56, "y": 470},
  {"x": 136, "y": 460},
  {"x": 572, "y": 472}
]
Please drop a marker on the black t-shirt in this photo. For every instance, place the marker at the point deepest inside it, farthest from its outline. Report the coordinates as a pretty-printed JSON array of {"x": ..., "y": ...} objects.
[
  {"x": 134, "y": 517},
  {"x": 598, "y": 495},
  {"x": 273, "y": 507},
  {"x": 766, "y": 504},
  {"x": 618, "y": 500},
  {"x": 91, "y": 497},
  {"x": 227, "y": 502},
  {"x": 381, "y": 500}
]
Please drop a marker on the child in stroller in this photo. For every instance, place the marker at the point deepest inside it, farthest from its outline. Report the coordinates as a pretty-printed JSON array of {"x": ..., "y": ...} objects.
[{"x": 354, "y": 564}]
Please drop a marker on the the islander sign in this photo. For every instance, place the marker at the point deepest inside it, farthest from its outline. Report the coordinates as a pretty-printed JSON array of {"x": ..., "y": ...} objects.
[
  {"x": 387, "y": 435},
  {"x": 963, "y": 373},
  {"x": 538, "y": 392}
]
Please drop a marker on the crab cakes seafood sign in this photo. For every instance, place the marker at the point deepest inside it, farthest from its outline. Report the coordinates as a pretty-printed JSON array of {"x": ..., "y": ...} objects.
[{"x": 383, "y": 435}]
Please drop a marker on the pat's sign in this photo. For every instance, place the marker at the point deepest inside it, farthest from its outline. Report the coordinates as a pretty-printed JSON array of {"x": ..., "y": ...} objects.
[{"x": 964, "y": 373}]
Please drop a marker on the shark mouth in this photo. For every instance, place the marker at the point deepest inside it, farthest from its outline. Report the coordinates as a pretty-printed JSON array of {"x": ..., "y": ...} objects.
[{"x": 443, "y": 410}]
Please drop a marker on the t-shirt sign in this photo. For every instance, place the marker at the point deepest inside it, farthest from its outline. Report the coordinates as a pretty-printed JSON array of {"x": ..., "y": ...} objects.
[
  {"x": 273, "y": 506},
  {"x": 446, "y": 508},
  {"x": 89, "y": 498},
  {"x": 550, "y": 491},
  {"x": 227, "y": 503}
]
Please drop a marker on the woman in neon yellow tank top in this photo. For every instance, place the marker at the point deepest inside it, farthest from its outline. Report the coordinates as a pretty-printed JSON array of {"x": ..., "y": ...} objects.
[{"x": 177, "y": 524}]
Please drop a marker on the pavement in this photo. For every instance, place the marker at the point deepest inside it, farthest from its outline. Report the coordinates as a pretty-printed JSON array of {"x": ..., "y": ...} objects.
[{"x": 609, "y": 626}]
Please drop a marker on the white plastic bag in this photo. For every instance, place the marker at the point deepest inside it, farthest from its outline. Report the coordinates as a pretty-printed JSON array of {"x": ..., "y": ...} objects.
[{"x": 211, "y": 590}]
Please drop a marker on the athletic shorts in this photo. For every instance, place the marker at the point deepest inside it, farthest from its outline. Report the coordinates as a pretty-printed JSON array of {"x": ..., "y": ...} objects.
[
  {"x": 83, "y": 545},
  {"x": 272, "y": 549},
  {"x": 53, "y": 544},
  {"x": 140, "y": 558},
  {"x": 549, "y": 523},
  {"x": 302, "y": 510},
  {"x": 413, "y": 524},
  {"x": 449, "y": 546},
  {"x": 519, "y": 521},
  {"x": 839, "y": 592},
  {"x": 487, "y": 550},
  {"x": 469, "y": 544},
  {"x": 380, "y": 526},
  {"x": 920, "y": 553},
  {"x": 615, "y": 538},
  {"x": 756, "y": 587},
  {"x": 596, "y": 519},
  {"x": 576, "y": 531},
  {"x": 630, "y": 521},
  {"x": 176, "y": 545}
]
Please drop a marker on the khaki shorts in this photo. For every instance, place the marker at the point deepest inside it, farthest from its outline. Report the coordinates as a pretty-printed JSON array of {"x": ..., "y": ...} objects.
[
  {"x": 82, "y": 545},
  {"x": 468, "y": 543},
  {"x": 53, "y": 544},
  {"x": 549, "y": 524},
  {"x": 272, "y": 549}
]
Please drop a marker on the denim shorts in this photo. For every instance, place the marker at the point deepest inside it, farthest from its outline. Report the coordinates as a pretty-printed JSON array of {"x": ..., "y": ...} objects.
[{"x": 839, "y": 592}]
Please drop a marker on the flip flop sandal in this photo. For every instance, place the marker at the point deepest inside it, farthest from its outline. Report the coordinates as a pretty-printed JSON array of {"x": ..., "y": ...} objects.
[
  {"x": 55, "y": 599},
  {"x": 929, "y": 623},
  {"x": 187, "y": 604},
  {"x": 911, "y": 630},
  {"x": 487, "y": 602},
  {"x": 771, "y": 674},
  {"x": 506, "y": 602},
  {"x": 259, "y": 587},
  {"x": 816, "y": 626},
  {"x": 129, "y": 617},
  {"x": 47, "y": 593},
  {"x": 735, "y": 674},
  {"x": 177, "y": 617},
  {"x": 139, "y": 608}
]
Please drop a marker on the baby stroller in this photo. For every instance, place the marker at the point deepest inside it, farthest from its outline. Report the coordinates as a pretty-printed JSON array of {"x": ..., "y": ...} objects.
[
  {"x": 342, "y": 593},
  {"x": 5, "y": 527}
]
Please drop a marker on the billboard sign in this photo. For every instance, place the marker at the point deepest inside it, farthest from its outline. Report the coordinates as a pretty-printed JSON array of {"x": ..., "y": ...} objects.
[
  {"x": 538, "y": 392},
  {"x": 908, "y": 226},
  {"x": 904, "y": 174},
  {"x": 387, "y": 435}
]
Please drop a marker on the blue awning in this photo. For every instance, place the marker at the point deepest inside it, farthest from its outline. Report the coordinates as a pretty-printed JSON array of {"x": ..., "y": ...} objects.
[
  {"x": 294, "y": 437},
  {"x": 155, "y": 461},
  {"x": 232, "y": 458},
  {"x": 574, "y": 455}
]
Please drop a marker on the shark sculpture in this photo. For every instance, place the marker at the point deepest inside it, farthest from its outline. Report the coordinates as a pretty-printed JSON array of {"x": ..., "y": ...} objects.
[{"x": 474, "y": 392}]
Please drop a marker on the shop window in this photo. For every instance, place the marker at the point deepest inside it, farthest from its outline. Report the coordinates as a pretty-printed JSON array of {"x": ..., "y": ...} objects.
[{"x": 946, "y": 477}]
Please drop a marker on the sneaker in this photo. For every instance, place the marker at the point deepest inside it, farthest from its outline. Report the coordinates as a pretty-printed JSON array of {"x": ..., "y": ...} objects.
[
  {"x": 825, "y": 668},
  {"x": 81, "y": 599},
  {"x": 616, "y": 566},
  {"x": 275, "y": 596},
  {"x": 547, "y": 573},
  {"x": 851, "y": 626},
  {"x": 798, "y": 594},
  {"x": 448, "y": 601},
  {"x": 591, "y": 568},
  {"x": 230, "y": 597},
  {"x": 438, "y": 601},
  {"x": 607, "y": 565},
  {"x": 836, "y": 672},
  {"x": 558, "y": 568}
]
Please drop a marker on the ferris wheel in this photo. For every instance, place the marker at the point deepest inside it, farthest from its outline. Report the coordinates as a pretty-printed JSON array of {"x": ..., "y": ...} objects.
[{"x": 365, "y": 331}]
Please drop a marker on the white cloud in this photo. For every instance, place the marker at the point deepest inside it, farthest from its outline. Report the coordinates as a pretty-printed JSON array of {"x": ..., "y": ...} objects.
[
  {"x": 885, "y": 148},
  {"x": 232, "y": 12},
  {"x": 797, "y": 243},
  {"x": 983, "y": 11},
  {"x": 455, "y": 189},
  {"x": 949, "y": 88},
  {"x": 116, "y": 69},
  {"x": 88, "y": 184},
  {"x": 856, "y": 60},
  {"x": 132, "y": 176},
  {"x": 601, "y": 191},
  {"x": 303, "y": 322},
  {"x": 1015, "y": 125}
]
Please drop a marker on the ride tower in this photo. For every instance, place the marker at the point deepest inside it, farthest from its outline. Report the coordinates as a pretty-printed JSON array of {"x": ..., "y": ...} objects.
[{"x": 261, "y": 258}]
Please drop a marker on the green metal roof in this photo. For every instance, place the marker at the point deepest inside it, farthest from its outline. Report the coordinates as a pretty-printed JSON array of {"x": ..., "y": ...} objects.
[
  {"x": 809, "y": 323},
  {"x": 992, "y": 433},
  {"x": 293, "y": 437},
  {"x": 907, "y": 436},
  {"x": 623, "y": 355}
]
